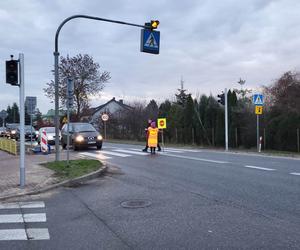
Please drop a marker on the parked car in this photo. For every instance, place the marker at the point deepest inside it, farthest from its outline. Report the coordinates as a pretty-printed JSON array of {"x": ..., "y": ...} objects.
[
  {"x": 2, "y": 131},
  {"x": 12, "y": 130},
  {"x": 29, "y": 131},
  {"x": 81, "y": 135},
  {"x": 50, "y": 133}
]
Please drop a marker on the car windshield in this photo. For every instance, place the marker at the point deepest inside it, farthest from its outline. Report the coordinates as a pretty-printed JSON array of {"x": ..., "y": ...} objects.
[
  {"x": 28, "y": 128},
  {"x": 84, "y": 128},
  {"x": 49, "y": 129}
]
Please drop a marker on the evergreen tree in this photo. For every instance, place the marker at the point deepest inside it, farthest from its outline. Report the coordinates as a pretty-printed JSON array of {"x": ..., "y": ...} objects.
[{"x": 188, "y": 114}]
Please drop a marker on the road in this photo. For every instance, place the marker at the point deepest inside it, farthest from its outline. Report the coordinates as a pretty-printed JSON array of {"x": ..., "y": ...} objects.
[{"x": 183, "y": 199}]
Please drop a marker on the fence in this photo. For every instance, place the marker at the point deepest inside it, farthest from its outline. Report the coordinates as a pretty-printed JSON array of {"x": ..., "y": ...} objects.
[{"x": 9, "y": 146}]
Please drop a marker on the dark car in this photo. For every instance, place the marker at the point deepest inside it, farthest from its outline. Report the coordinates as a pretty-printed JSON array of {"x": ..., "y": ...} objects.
[
  {"x": 29, "y": 132},
  {"x": 81, "y": 135},
  {"x": 3, "y": 132},
  {"x": 11, "y": 129}
]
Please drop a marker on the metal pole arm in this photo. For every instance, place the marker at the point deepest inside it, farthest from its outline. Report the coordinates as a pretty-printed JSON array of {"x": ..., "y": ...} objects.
[{"x": 94, "y": 18}]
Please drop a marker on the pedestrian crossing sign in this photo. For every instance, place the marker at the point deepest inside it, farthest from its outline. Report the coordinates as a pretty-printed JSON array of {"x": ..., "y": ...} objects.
[
  {"x": 150, "y": 41},
  {"x": 258, "y": 110},
  {"x": 258, "y": 99}
]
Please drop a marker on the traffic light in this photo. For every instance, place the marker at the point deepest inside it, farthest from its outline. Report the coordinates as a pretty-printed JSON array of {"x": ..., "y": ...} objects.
[
  {"x": 12, "y": 72},
  {"x": 154, "y": 24},
  {"x": 221, "y": 99}
]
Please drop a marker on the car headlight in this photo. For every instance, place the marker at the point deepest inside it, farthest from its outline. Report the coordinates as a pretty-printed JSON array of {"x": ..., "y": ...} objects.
[
  {"x": 79, "y": 138},
  {"x": 50, "y": 137},
  {"x": 13, "y": 132},
  {"x": 99, "y": 137},
  {"x": 36, "y": 132}
]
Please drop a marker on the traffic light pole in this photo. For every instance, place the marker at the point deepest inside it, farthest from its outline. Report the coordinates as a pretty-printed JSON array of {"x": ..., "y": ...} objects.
[
  {"x": 56, "y": 78},
  {"x": 226, "y": 120},
  {"x": 22, "y": 122}
]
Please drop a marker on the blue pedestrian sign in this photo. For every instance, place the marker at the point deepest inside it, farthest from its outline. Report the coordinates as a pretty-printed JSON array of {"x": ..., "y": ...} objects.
[
  {"x": 150, "y": 41},
  {"x": 258, "y": 99}
]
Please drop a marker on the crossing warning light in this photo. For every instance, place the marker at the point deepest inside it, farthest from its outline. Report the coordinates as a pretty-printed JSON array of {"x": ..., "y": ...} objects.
[
  {"x": 12, "y": 72},
  {"x": 154, "y": 24}
]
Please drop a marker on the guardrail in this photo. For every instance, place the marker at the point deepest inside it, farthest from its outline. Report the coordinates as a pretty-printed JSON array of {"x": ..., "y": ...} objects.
[{"x": 9, "y": 146}]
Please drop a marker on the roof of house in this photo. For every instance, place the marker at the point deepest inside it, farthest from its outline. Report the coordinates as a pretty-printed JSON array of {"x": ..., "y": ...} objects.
[{"x": 120, "y": 103}]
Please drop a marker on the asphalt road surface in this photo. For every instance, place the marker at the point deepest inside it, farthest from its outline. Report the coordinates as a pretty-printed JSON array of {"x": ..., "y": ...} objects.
[{"x": 176, "y": 199}]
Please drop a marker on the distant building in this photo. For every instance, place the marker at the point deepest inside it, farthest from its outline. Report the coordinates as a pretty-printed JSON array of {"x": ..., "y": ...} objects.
[
  {"x": 112, "y": 107},
  {"x": 49, "y": 117}
]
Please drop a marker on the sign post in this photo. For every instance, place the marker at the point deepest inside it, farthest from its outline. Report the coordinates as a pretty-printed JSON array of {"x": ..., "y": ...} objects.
[
  {"x": 104, "y": 118},
  {"x": 3, "y": 115},
  {"x": 162, "y": 124},
  {"x": 22, "y": 121},
  {"x": 70, "y": 92},
  {"x": 258, "y": 100}
]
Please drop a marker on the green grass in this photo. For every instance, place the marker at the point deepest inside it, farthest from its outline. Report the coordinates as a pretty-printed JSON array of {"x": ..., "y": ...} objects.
[{"x": 75, "y": 169}]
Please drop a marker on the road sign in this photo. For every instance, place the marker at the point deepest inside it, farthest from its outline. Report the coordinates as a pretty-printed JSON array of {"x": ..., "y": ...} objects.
[
  {"x": 150, "y": 41},
  {"x": 30, "y": 103},
  {"x": 162, "y": 123},
  {"x": 3, "y": 114},
  {"x": 258, "y": 110},
  {"x": 258, "y": 99},
  {"x": 65, "y": 120},
  {"x": 105, "y": 117}
]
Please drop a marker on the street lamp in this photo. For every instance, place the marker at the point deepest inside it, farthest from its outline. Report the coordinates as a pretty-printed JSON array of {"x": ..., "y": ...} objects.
[{"x": 56, "y": 55}]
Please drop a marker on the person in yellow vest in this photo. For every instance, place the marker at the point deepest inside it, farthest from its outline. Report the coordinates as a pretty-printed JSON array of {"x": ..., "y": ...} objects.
[{"x": 152, "y": 137}]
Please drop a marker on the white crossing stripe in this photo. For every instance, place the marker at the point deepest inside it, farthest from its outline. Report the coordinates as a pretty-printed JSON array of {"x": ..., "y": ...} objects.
[
  {"x": 183, "y": 149},
  {"x": 130, "y": 152},
  {"x": 33, "y": 204},
  {"x": 15, "y": 205},
  {"x": 195, "y": 158},
  {"x": 294, "y": 173},
  {"x": 11, "y": 218},
  {"x": 13, "y": 234},
  {"x": 115, "y": 153},
  {"x": 38, "y": 233},
  {"x": 260, "y": 168},
  {"x": 39, "y": 217},
  {"x": 98, "y": 156}
]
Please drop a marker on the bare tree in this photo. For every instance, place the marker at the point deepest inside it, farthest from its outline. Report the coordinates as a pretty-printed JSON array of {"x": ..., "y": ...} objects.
[{"x": 88, "y": 80}]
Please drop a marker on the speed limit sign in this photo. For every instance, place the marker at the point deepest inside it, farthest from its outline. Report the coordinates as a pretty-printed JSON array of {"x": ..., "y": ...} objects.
[{"x": 104, "y": 117}]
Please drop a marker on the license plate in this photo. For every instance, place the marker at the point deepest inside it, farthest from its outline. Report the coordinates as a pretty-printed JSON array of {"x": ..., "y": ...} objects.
[{"x": 91, "y": 142}]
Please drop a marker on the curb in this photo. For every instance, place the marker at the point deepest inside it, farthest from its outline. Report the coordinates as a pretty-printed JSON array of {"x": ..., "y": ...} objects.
[{"x": 66, "y": 183}]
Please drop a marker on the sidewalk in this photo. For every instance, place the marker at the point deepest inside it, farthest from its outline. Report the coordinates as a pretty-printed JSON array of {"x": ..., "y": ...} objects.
[{"x": 36, "y": 176}]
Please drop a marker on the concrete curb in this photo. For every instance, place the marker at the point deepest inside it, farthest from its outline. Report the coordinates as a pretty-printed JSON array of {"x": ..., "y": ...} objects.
[{"x": 66, "y": 183}]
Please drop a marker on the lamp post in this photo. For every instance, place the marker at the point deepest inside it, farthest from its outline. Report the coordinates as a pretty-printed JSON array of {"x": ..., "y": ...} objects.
[{"x": 56, "y": 55}]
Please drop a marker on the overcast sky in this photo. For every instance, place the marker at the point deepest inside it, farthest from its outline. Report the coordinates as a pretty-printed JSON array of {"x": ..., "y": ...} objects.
[{"x": 210, "y": 44}]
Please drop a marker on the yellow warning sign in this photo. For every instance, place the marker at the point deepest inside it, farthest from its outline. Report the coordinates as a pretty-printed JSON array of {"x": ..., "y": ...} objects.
[
  {"x": 162, "y": 123},
  {"x": 258, "y": 110}
]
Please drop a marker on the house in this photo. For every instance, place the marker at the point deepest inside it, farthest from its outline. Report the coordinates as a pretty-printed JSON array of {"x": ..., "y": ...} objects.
[{"x": 112, "y": 107}]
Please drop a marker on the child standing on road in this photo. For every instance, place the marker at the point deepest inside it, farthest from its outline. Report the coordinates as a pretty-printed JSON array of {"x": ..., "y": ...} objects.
[{"x": 152, "y": 137}]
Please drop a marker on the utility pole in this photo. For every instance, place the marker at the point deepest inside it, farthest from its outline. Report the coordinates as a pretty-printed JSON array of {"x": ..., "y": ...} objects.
[{"x": 226, "y": 120}]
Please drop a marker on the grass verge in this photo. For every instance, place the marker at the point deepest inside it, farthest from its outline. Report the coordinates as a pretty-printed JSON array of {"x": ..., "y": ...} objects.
[{"x": 75, "y": 169}]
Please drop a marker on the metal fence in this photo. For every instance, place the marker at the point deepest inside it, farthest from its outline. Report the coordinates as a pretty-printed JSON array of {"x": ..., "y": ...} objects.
[{"x": 9, "y": 146}]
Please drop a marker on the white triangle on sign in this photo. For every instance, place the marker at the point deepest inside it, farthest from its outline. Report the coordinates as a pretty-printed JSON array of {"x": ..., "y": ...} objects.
[
  {"x": 151, "y": 42},
  {"x": 258, "y": 100}
]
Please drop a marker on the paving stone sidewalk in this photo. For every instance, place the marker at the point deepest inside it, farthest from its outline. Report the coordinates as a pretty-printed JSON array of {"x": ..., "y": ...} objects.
[{"x": 36, "y": 176}]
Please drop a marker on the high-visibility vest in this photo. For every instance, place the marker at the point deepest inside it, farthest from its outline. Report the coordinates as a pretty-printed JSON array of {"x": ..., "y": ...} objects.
[{"x": 152, "y": 137}]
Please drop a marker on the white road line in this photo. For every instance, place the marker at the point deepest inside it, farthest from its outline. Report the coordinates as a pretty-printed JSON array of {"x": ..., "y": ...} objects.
[
  {"x": 16, "y": 205},
  {"x": 98, "y": 156},
  {"x": 260, "y": 168},
  {"x": 130, "y": 152},
  {"x": 194, "y": 158},
  {"x": 9, "y": 206},
  {"x": 13, "y": 234},
  {"x": 39, "y": 217},
  {"x": 32, "y": 204},
  {"x": 186, "y": 150},
  {"x": 38, "y": 233},
  {"x": 294, "y": 173},
  {"x": 115, "y": 153},
  {"x": 11, "y": 218}
]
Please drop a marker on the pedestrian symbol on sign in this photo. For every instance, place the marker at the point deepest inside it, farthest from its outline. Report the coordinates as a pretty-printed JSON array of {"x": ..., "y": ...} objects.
[{"x": 151, "y": 42}]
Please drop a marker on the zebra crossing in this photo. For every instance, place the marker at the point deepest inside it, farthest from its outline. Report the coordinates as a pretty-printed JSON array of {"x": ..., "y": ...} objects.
[
  {"x": 110, "y": 152},
  {"x": 23, "y": 220}
]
